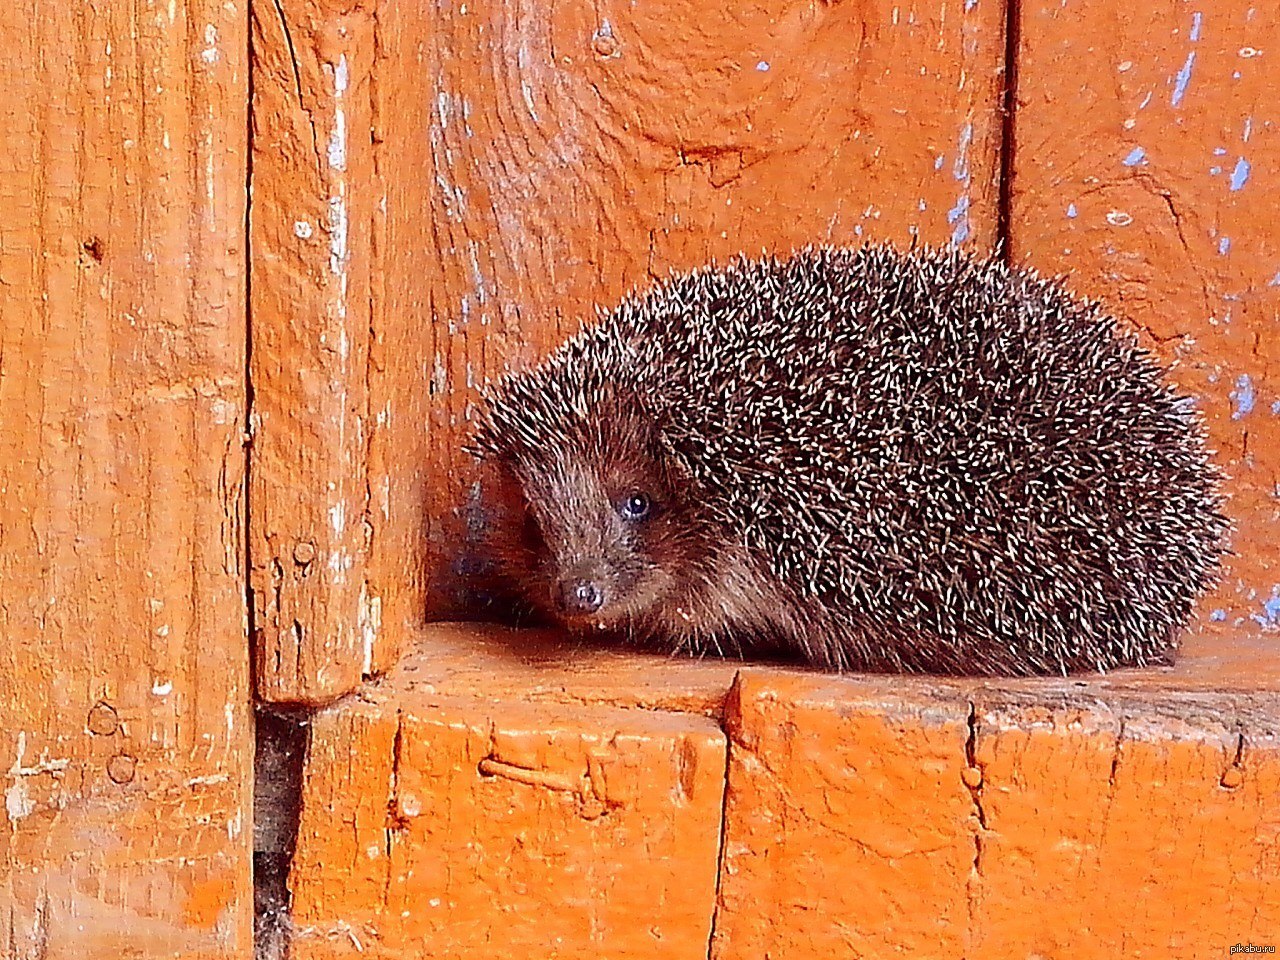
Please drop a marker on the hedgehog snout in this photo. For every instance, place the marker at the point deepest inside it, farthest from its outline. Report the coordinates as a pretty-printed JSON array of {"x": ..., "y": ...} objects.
[
  {"x": 581, "y": 590},
  {"x": 580, "y": 596}
]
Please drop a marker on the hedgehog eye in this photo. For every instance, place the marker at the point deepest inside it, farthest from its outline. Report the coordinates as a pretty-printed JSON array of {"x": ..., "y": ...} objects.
[{"x": 635, "y": 506}]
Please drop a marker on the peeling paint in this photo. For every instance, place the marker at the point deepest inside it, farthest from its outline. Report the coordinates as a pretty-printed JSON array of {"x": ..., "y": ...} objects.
[
  {"x": 1182, "y": 80},
  {"x": 1242, "y": 396},
  {"x": 1240, "y": 175},
  {"x": 1136, "y": 156}
]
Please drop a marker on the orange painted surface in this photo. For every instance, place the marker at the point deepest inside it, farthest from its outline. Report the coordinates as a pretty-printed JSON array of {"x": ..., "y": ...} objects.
[
  {"x": 848, "y": 829},
  {"x": 556, "y": 156},
  {"x": 1127, "y": 828},
  {"x": 314, "y": 204},
  {"x": 491, "y": 827},
  {"x": 862, "y": 816},
  {"x": 1146, "y": 165},
  {"x": 125, "y": 734},
  {"x": 867, "y": 817}
]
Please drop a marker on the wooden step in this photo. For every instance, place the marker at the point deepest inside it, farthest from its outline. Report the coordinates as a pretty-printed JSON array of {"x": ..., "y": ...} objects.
[{"x": 513, "y": 793}]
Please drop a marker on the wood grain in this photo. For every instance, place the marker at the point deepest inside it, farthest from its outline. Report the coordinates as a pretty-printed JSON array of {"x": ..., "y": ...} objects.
[
  {"x": 542, "y": 159},
  {"x": 870, "y": 817},
  {"x": 125, "y": 734},
  {"x": 313, "y": 219},
  {"x": 1146, "y": 162},
  {"x": 471, "y": 828}
]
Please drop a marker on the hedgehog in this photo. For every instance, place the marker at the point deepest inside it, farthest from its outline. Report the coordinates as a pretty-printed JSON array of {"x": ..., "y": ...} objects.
[{"x": 865, "y": 459}]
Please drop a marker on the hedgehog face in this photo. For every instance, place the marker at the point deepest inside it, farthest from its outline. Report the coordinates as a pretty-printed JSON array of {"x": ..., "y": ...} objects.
[{"x": 589, "y": 528}]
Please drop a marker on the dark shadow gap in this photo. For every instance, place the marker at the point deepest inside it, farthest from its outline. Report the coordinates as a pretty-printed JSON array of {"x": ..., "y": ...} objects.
[
  {"x": 1008, "y": 133},
  {"x": 281, "y": 749}
]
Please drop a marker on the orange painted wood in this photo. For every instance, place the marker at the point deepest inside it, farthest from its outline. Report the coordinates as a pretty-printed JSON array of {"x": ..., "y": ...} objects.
[
  {"x": 871, "y": 817},
  {"x": 125, "y": 734},
  {"x": 1146, "y": 163},
  {"x": 315, "y": 200},
  {"x": 491, "y": 827},
  {"x": 1127, "y": 828},
  {"x": 546, "y": 158},
  {"x": 848, "y": 826},
  {"x": 864, "y": 816}
]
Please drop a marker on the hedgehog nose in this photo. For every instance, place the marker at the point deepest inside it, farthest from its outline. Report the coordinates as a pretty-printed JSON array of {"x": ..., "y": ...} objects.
[{"x": 580, "y": 596}]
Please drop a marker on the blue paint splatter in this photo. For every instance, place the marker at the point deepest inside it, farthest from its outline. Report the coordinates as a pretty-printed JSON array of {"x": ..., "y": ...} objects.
[
  {"x": 763, "y": 66},
  {"x": 959, "y": 217},
  {"x": 1183, "y": 78},
  {"x": 1275, "y": 407},
  {"x": 937, "y": 164},
  {"x": 1275, "y": 281},
  {"x": 1072, "y": 212},
  {"x": 1214, "y": 171},
  {"x": 1270, "y": 609},
  {"x": 1136, "y": 156},
  {"x": 1218, "y": 615},
  {"x": 1224, "y": 246},
  {"x": 1240, "y": 175},
  {"x": 1242, "y": 396},
  {"x": 961, "y": 169},
  {"x": 969, "y": 5},
  {"x": 1219, "y": 151},
  {"x": 1196, "y": 20}
]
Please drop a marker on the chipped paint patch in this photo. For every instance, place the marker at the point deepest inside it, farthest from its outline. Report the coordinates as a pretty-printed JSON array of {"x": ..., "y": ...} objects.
[
  {"x": 1136, "y": 156},
  {"x": 1243, "y": 396},
  {"x": 958, "y": 217},
  {"x": 1270, "y": 616},
  {"x": 370, "y": 621},
  {"x": 1240, "y": 175},
  {"x": 1183, "y": 79}
]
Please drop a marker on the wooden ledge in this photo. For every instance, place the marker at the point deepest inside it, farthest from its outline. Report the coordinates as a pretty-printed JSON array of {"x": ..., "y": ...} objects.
[
  {"x": 492, "y": 661},
  {"x": 501, "y": 791}
]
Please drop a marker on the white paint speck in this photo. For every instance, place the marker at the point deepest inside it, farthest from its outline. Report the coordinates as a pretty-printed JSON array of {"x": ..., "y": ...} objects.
[
  {"x": 302, "y": 230},
  {"x": 341, "y": 76},
  {"x": 763, "y": 66},
  {"x": 338, "y": 517},
  {"x": 210, "y": 53},
  {"x": 1119, "y": 218},
  {"x": 162, "y": 689},
  {"x": 337, "y": 234}
]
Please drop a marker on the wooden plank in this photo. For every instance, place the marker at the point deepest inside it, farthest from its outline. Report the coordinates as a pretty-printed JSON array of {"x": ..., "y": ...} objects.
[
  {"x": 1135, "y": 828},
  {"x": 879, "y": 816},
  {"x": 1146, "y": 153},
  {"x": 542, "y": 158},
  {"x": 125, "y": 734},
  {"x": 463, "y": 827},
  {"x": 314, "y": 205},
  {"x": 848, "y": 826}
]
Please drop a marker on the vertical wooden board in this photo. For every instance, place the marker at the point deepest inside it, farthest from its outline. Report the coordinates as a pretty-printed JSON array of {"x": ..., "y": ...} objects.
[
  {"x": 1146, "y": 161},
  {"x": 849, "y": 831},
  {"x": 313, "y": 219},
  {"x": 502, "y": 829},
  {"x": 1137, "y": 831},
  {"x": 125, "y": 732},
  {"x": 542, "y": 158}
]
